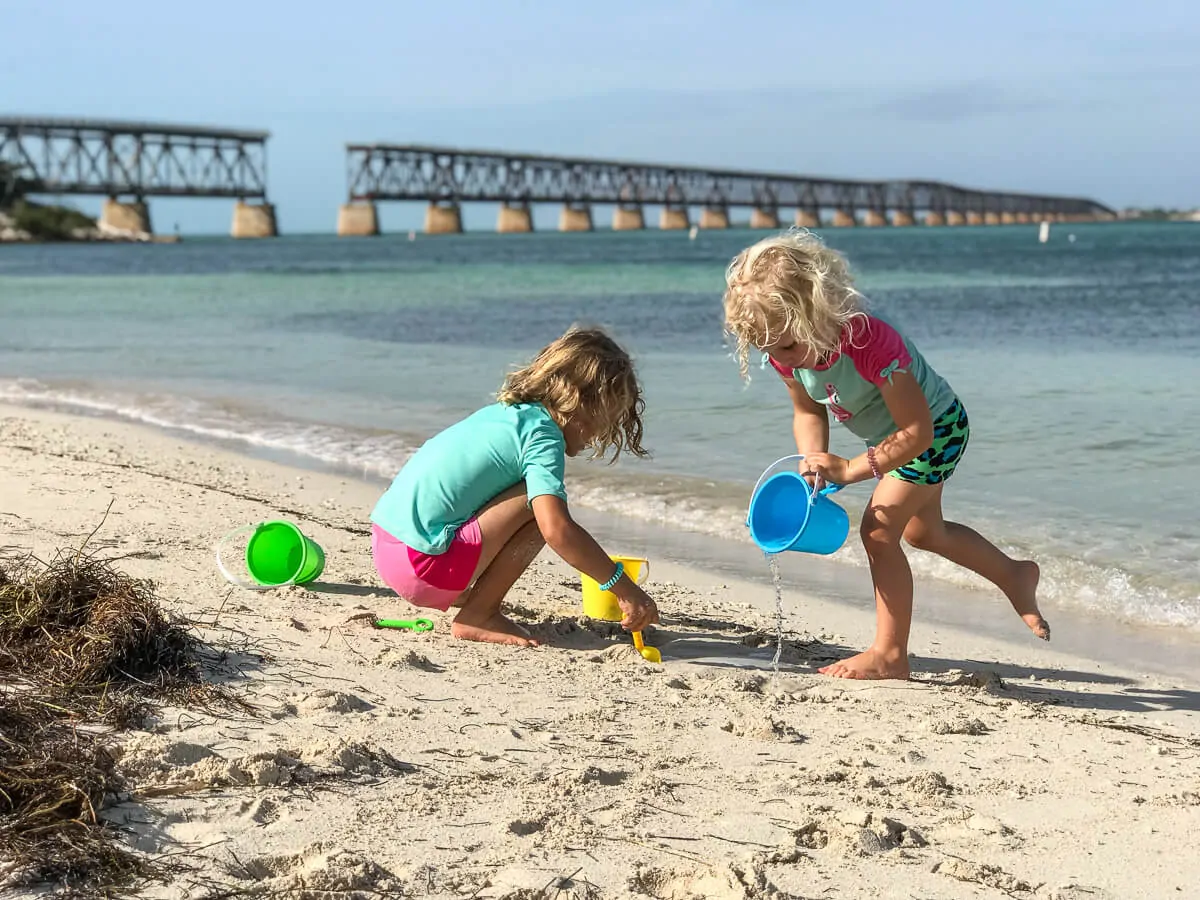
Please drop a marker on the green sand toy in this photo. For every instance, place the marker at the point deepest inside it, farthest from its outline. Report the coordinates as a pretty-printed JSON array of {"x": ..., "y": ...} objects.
[{"x": 409, "y": 624}]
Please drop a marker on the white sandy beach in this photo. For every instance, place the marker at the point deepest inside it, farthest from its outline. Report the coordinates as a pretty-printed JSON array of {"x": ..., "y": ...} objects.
[{"x": 389, "y": 763}]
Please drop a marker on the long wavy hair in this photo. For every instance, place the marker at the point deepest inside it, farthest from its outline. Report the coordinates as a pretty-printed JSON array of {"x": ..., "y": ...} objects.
[{"x": 585, "y": 372}]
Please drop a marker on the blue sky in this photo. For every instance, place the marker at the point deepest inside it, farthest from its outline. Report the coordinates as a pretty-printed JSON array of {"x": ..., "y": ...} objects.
[{"x": 1081, "y": 98}]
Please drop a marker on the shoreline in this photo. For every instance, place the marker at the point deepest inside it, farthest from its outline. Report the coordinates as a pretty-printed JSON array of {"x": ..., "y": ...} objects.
[
  {"x": 1000, "y": 770},
  {"x": 815, "y": 588}
]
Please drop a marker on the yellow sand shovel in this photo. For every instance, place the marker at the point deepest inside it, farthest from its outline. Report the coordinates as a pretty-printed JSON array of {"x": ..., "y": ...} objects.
[{"x": 650, "y": 654}]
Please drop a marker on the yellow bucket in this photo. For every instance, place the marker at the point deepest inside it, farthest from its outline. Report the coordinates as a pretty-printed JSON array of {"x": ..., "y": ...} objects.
[{"x": 598, "y": 604}]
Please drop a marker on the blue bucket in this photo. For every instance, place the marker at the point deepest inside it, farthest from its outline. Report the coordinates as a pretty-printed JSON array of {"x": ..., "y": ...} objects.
[{"x": 786, "y": 515}]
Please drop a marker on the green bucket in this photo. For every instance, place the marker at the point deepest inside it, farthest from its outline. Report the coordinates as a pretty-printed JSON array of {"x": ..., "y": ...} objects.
[{"x": 277, "y": 554}]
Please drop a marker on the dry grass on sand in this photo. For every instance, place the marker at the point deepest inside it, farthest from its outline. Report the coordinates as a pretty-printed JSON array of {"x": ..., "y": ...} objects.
[{"x": 84, "y": 649}]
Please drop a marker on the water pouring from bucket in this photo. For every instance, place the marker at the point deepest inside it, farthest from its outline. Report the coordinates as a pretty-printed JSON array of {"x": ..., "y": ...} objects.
[
  {"x": 278, "y": 554},
  {"x": 787, "y": 514}
]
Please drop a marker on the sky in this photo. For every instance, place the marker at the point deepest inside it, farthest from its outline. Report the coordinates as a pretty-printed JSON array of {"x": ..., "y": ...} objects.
[{"x": 1099, "y": 99}]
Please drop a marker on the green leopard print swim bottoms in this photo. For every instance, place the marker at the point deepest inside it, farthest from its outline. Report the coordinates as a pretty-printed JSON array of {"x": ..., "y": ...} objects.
[{"x": 951, "y": 431}]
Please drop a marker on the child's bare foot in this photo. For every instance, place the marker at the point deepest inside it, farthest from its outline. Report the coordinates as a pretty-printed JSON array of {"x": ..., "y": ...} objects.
[
  {"x": 869, "y": 665},
  {"x": 1024, "y": 599},
  {"x": 496, "y": 630}
]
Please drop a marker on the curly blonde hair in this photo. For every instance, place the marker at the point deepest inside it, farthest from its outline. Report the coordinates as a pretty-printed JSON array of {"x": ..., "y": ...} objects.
[
  {"x": 585, "y": 372},
  {"x": 789, "y": 284}
]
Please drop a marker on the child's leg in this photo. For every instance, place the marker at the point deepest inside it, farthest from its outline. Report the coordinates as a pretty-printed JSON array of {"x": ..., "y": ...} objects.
[
  {"x": 480, "y": 618},
  {"x": 968, "y": 548},
  {"x": 511, "y": 540},
  {"x": 892, "y": 506}
]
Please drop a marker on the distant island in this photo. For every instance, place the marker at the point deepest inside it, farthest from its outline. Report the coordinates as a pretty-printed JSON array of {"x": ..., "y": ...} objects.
[
  {"x": 1158, "y": 214},
  {"x": 24, "y": 221}
]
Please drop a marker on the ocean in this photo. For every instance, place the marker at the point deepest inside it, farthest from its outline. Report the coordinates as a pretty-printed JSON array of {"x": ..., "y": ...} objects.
[{"x": 1078, "y": 360}]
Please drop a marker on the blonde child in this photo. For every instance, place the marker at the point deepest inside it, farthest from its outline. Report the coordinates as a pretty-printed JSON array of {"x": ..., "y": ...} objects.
[
  {"x": 471, "y": 509},
  {"x": 793, "y": 298}
]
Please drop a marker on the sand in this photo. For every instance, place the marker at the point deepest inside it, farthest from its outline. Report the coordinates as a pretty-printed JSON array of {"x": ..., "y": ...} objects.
[{"x": 393, "y": 764}]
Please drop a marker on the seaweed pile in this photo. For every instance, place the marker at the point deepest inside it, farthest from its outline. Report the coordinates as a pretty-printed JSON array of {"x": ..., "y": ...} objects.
[{"x": 84, "y": 650}]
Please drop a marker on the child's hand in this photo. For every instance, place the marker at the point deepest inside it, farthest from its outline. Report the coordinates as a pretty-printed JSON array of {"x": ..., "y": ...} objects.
[
  {"x": 639, "y": 609},
  {"x": 834, "y": 469}
]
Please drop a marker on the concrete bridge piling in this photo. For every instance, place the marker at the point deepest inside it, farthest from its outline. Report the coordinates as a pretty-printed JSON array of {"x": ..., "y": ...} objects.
[
  {"x": 514, "y": 218},
  {"x": 671, "y": 219},
  {"x": 628, "y": 218},
  {"x": 575, "y": 217},
  {"x": 358, "y": 220},
  {"x": 254, "y": 220}
]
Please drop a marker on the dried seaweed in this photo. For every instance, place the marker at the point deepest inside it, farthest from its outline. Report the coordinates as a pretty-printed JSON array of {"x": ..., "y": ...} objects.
[
  {"x": 95, "y": 641},
  {"x": 84, "y": 649}
]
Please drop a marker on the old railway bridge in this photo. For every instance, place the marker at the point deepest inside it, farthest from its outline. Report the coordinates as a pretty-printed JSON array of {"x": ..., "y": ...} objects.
[
  {"x": 445, "y": 178},
  {"x": 129, "y": 162}
]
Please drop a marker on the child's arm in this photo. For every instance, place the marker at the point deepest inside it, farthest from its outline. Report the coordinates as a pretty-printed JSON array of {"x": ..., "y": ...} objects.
[
  {"x": 571, "y": 541},
  {"x": 810, "y": 420},
  {"x": 914, "y": 434}
]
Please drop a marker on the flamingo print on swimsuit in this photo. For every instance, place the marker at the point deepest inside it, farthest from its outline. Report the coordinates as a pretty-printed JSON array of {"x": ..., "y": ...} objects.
[{"x": 839, "y": 412}]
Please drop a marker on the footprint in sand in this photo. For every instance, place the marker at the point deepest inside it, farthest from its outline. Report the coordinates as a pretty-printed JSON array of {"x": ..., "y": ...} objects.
[
  {"x": 984, "y": 874},
  {"x": 862, "y": 832},
  {"x": 958, "y": 725},
  {"x": 408, "y": 659},
  {"x": 358, "y": 758},
  {"x": 262, "y": 810},
  {"x": 673, "y": 884},
  {"x": 317, "y": 871},
  {"x": 332, "y": 701},
  {"x": 1077, "y": 892},
  {"x": 185, "y": 754},
  {"x": 284, "y": 711},
  {"x": 526, "y": 827},
  {"x": 988, "y": 825}
]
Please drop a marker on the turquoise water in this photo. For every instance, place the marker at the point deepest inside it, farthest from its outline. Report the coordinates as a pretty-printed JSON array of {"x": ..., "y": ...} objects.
[{"x": 1079, "y": 361}]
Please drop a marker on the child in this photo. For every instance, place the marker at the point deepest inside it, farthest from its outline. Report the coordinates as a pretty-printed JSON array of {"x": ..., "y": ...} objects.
[
  {"x": 793, "y": 298},
  {"x": 472, "y": 508}
]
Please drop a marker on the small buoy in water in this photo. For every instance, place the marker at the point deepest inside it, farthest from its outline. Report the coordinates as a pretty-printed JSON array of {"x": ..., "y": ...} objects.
[
  {"x": 1071, "y": 238},
  {"x": 1043, "y": 232},
  {"x": 692, "y": 232}
]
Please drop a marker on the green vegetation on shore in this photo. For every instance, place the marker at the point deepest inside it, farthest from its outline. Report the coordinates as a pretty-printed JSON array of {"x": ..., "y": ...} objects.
[
  {"x": 49, "y": 223},
  {"x": 42, "y": 222}
]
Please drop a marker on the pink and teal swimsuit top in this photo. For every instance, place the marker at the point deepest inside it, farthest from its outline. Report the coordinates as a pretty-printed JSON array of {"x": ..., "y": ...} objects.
[{"x": 872, "y": 351}]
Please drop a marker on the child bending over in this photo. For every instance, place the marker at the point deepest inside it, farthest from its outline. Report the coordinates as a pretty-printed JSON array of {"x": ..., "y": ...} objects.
[
  {"x": 793, "y": 298},
  {"x": 471, "y": 509}
]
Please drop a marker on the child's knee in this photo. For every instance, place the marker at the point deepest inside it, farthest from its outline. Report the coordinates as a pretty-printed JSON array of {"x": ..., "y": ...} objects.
[{"x": 876, "y": 531}]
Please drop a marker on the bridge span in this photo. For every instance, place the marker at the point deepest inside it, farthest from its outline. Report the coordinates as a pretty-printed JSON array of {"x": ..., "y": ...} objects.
[
  {"x": 445, "y": 178},
  {"x": 127, "y": 162}
]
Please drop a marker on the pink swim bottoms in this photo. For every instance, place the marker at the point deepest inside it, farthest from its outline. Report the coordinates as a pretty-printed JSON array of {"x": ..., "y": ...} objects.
[{"x": 424, "y": 579}]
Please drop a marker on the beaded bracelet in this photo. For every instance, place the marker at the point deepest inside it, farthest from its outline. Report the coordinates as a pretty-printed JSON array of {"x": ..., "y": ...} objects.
[
  {"x": 874, "y": 465},
  {"x": 611, "y": 583}
]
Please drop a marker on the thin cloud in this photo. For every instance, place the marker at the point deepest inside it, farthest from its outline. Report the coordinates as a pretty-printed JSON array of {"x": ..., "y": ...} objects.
[{"x": 958, "y": 102}]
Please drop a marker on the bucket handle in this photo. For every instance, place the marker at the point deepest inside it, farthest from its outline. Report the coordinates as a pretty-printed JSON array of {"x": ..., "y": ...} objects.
[
  {"x": 828, "y": 489},
  {"x": 234, "y": 579}
]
